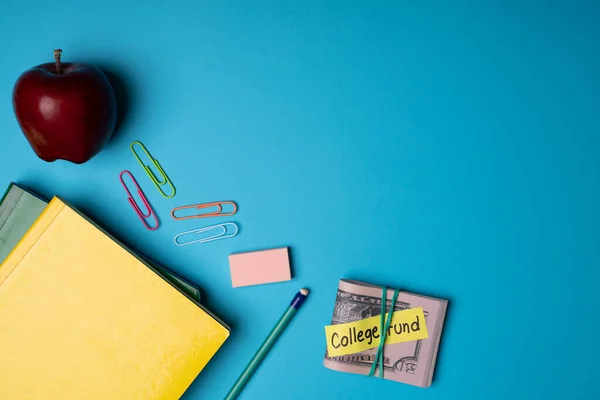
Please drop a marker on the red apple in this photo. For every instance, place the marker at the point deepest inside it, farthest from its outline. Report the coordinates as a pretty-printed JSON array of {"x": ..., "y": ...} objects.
[{"x": 67, "y": 111}]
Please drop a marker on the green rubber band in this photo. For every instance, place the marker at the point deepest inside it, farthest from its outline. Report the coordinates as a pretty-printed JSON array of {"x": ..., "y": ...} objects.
[
  {"x": 384, "y": 326},
  {"x": 381, "y": 325}
]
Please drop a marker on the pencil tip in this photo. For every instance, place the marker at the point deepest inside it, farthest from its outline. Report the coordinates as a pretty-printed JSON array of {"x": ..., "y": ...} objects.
[{"x": 304, "y": 291}]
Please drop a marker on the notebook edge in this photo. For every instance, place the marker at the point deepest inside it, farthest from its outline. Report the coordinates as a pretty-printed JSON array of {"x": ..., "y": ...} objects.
[{"x": 43, "y": 218}]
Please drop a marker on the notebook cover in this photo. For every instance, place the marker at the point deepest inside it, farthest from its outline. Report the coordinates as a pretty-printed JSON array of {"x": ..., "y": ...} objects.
[
  {"x": 89, "y": 320},
  {"x": 19, "y": 208}
]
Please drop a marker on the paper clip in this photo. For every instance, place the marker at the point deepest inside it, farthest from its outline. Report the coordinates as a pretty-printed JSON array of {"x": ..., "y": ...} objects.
[
  {"x": 136, "y": 208},
  {"x": 205, "y": 210},
  {"x": 157, "y": 182},
  {"x": 222, "y": 234}
]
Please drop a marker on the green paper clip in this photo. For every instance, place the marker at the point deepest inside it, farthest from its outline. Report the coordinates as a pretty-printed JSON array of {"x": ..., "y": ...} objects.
[{"x": 158, "y": 183}]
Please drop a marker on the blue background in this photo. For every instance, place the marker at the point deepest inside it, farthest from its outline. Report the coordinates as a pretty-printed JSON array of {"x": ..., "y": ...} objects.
[{"x": 446, "y": 148}]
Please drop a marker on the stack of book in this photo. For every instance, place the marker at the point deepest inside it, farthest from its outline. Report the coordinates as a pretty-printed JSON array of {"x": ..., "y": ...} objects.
[{"x": 82, "y": 316}]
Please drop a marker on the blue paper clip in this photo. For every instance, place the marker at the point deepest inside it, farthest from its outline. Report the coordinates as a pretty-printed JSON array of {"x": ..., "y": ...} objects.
[
  {"x": 222, "y": 234},
  {"x": 164, "y": 180}
]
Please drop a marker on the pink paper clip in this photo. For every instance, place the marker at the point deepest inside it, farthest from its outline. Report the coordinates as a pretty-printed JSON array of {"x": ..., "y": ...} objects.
[{"x": 136, "y": 208}]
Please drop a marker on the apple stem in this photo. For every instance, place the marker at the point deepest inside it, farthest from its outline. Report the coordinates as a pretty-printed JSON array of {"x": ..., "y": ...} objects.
[{"x": 57, "y": 54}]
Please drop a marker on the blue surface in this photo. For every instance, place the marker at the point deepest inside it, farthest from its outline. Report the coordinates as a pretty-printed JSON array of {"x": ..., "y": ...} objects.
[{"x": 447, "y": 149}]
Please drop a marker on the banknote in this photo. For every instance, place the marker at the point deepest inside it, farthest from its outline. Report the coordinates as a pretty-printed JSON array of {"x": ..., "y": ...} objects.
[{"x": 409, "y": 362}]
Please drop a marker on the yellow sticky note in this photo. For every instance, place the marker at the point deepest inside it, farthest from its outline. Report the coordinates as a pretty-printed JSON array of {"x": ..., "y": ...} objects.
[{"x": 357, "y": 336}]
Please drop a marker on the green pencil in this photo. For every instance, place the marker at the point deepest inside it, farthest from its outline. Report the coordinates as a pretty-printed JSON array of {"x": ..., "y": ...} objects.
[{"x": 264, "y": 348}]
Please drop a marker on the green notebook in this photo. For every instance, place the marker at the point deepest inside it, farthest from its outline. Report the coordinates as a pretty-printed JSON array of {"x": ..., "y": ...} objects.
[
  {"x": 20, "y": 208},
  {"x": 18, "y": 211}
]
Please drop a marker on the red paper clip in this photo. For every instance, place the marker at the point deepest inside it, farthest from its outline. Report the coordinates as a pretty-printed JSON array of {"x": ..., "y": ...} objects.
[
  {"x": 206, "y": 210},
  {"x": 136, "y": 208}
]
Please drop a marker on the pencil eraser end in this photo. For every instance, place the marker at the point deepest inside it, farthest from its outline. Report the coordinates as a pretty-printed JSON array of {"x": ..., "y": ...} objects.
[{"x": 260, "y": 267}]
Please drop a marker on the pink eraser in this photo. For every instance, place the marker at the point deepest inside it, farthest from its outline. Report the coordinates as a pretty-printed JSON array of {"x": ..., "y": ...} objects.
[{"x": 258, "y": 267}]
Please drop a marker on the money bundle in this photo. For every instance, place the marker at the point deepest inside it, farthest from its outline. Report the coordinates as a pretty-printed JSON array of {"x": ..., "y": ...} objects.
[{"x": 409, "y": 362}]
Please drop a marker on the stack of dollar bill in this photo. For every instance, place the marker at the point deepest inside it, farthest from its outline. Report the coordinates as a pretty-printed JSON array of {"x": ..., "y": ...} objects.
[{"x": 409, "y": 362}]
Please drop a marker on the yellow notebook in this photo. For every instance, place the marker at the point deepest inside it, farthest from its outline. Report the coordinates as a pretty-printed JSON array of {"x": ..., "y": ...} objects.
[{"x": 83, "y": 318}]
